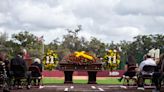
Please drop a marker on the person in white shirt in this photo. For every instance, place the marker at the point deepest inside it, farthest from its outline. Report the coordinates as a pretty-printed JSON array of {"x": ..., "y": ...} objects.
[{"x": 148, "y": 61}]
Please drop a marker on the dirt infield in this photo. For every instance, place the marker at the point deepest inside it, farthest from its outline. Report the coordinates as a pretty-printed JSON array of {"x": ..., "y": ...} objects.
[{"x": 84, "y": 88}]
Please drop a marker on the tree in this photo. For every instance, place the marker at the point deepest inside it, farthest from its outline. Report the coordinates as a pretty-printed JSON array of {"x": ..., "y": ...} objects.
[
  {"x": 96, "y": 46},
  {"x": 143, "y": 43},
  {"x": 25, "y": 39},
  {"x": 54, "y": 44},
  {"x": 12, "y": 47},
  {"x": 29, "y": 42},
  {"x": 71, "y": 41}
]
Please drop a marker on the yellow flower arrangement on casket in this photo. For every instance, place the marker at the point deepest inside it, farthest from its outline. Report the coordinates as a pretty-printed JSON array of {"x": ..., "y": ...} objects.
[
  {"x": 111, "y": 60},
  {"x": 50, "y": 60},
  {"x": 80, "y": 58}
]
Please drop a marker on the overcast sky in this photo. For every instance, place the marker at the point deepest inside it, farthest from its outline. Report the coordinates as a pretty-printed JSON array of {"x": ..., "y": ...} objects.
[{"x": 107, "y": 20}]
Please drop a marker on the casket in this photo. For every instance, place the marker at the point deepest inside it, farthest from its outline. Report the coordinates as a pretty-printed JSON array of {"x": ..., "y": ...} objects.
[
  {"x": 69, "y": 68},
  {"x": 76, "y": 67}
]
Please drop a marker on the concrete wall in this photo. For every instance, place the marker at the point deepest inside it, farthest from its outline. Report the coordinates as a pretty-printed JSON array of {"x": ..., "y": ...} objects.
[{"x": 57, "y": 73}]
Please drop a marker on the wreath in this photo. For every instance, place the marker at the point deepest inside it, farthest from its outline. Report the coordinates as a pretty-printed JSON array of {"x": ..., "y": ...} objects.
[
  {"x": 80, "y": 58},
  {"x": 50, "y": 60},
  {"x": 111, "y": 60}
]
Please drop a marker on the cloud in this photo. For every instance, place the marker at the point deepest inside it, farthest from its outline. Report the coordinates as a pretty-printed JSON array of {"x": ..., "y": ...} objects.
[
  {"x": 43, "y": 16},
  {"x": 2, "y": 30},
  {"x": 143, "y": 7},
  {"x": 108, "y": 20}
]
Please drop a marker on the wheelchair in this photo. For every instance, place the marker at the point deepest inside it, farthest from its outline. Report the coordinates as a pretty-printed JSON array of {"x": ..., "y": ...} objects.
[
  {"x": 4, "y": 83},
  {"x": 20, "y": 77},
  {"x": 35, "y": 75}
]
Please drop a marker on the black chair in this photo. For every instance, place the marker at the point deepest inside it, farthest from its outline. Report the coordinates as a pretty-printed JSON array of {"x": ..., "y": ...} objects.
[
  {"x": 35, "y": 73},
  {"x": 146, "y": 73},
  {"x": 132, "y": 76},
  {"x": 19, "y": 73}
]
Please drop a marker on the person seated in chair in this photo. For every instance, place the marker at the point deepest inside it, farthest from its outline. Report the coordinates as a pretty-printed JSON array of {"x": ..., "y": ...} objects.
[
  {"x": 3, "y": 57},
  {"x": 130, "y": 63},
  {"x": 148, "y": 61},
  {"x": 19, "y": 69},
  {"x": 4, "y": 72},
  {"x": 38, "y": 74}
]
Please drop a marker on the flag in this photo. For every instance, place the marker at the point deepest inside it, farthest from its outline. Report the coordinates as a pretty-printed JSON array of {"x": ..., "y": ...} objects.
[{"x": 40, "y": 39}]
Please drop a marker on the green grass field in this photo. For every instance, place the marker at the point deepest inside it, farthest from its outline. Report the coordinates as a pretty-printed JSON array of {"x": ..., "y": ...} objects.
[
  {"x": 51, "y": 80},
  {"x": 109, "y": 80}
]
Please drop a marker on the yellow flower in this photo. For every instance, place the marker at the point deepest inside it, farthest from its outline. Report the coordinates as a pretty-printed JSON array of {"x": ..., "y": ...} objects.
[
  {"x": 109, "y": 57},
  {"x": 82, "y": 53},
  {"x": 50, "y": 65}
]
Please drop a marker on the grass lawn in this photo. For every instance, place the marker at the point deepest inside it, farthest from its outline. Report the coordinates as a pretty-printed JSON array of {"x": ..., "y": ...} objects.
[{"x": 110, "y": 80}]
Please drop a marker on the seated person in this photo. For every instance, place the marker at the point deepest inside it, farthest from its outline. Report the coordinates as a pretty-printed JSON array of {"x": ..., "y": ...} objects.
[
  {"x": 37, "y": 63},
  {"x": 3, "y": 76},
  {"x": 131, "y": 62},
  {"x": 3, "y": 58},
  {"x": 19, "y": 68},
  {"x": 2, "y": 70},
  {"x": 158, "y": 75},
  {"x": 148, "y": 61}
]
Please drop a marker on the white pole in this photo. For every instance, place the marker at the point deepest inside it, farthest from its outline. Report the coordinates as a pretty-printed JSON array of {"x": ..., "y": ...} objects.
[
  {"x": 42, "y": 53},
  {"x": 43, "y": 48}
]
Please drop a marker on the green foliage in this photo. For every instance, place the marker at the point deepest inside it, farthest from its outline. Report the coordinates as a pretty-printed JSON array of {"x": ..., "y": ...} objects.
[
  {"x": 97, "y": 47},
  {"x": 25, "y": 39},
  {"x": 141, "y": 45},
  {"x": 28, "y": 41}
]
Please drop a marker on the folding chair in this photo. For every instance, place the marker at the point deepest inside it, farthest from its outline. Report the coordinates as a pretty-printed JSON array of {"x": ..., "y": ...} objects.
[
  {"x": 146, "y": 73},
  {"x": 132, "y": 76},
  {"x": 20, "y": 74},
  {"x": 36, "y": 73}
]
